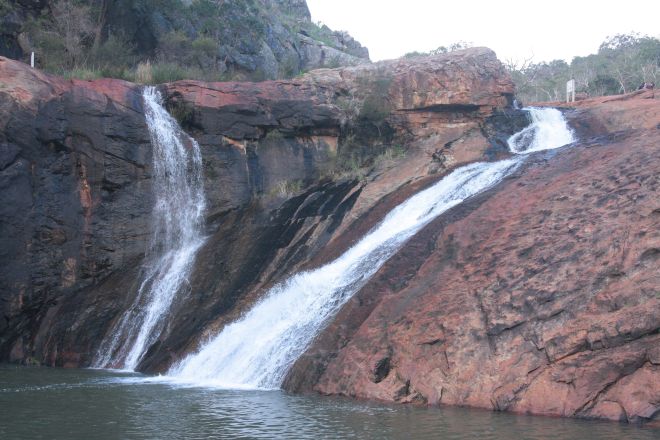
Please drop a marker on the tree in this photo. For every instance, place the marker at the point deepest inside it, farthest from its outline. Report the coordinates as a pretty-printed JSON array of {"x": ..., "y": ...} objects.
[
  {"x": 631, "y": 59},
  {"x": 621, "y": 64},
  {"x": 62, "y": 40},
  {"x": 459, "y": 45},
  {"x": 72, "y": 22}
]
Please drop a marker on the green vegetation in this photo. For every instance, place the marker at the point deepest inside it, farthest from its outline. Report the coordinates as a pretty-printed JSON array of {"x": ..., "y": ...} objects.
[
  {"x": 182, "y": 111},
  {"x": 194, "y": 39},
  {"x": 356, "y": 160},
  {"x": 622, "y": 63},
  {"x": 319, "y": 32},
  {"x": 82, "y": 73},
  {"x": 5, "y": 7},
  {"x": 391, "y": 154},
  {"x": 72, "y": 39},
  {"x": 367, "y": 134},
  {"x": 376, "y": 105},
  {"x": 31, "y": 361},
  {"x": 348, "y": 166},
  {"x": 459, "y": 45},
  {"x": 274, "y": 135},
  {"x": 286, "y": 188},
  {"x": 373, "y": 106}
]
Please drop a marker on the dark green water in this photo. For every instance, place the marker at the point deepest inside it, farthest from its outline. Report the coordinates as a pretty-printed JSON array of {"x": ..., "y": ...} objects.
[{"x": 39, "y": 403}]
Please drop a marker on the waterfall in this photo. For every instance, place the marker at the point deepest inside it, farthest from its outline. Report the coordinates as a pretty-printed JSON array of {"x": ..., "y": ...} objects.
[
  {"x": 256, "y": 351},
  {"x": 543, "y": 131},
  {"x": 176, "y": 236}
]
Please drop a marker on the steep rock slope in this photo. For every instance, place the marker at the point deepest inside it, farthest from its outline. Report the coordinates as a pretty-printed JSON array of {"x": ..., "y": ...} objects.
[
  {"x": 540, "y": 296},
  {"x": 255, "y": 39},
  {"x": 75, "y": 159},
  {"x": 76, "y": 176}
]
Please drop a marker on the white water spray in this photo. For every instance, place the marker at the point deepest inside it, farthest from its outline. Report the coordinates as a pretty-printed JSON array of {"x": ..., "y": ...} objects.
[
  {"x": 177, "y": 219},
  {"x": 256, "y": 351},
  {"x": 544, "y": 130}
]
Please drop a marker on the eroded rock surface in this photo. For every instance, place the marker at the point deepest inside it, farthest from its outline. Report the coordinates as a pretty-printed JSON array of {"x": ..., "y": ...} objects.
[{"x": 540, "y": 296}]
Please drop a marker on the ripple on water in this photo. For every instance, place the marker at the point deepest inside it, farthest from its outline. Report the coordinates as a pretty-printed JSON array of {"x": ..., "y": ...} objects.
[{"x": 39, "y": 403}]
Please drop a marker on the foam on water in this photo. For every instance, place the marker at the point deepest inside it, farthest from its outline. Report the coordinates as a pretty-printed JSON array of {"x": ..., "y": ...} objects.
[{"x": 548, "y": 130}]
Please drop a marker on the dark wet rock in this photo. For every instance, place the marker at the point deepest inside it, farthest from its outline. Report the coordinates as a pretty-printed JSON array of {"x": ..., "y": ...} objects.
[{"x": 76, "y": 199}]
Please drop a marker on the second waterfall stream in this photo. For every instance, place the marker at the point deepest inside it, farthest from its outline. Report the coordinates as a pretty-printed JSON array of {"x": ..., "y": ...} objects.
[
  {"x": 257, "y": 351},
  {"x": 177, "y": 218}
]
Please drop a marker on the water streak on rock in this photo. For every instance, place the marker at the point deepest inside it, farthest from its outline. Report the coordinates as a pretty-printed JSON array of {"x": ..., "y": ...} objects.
[
  {"x": 257, "y": 350},
  {"x": 177, "y": 220}
]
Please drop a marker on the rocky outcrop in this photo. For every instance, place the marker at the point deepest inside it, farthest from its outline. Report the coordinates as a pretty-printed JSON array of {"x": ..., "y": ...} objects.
[
  {"x": 540, "y": 296},
  {"x": 324, "y": 113},
  {"x": 445, "y": 110},
  {"x": 289, "y": 166},
  {"x": 74, "y": 179},
  {"x": 610, "y": 114},
  {"x": 261, "y": 39}
]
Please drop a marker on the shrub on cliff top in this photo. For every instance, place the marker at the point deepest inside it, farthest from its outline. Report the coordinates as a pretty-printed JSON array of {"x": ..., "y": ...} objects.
[
  {"x": 144, "y": 73},
  {"x": 376, "y": 105},
  {"x": 214, "y": 39}
]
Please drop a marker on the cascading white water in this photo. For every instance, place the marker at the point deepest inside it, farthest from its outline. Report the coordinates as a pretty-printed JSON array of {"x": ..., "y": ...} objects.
[
  {"x": 256, "y": 351},
  {"x": 543, "y": 131},
  {"x": 177, "y": 221}
]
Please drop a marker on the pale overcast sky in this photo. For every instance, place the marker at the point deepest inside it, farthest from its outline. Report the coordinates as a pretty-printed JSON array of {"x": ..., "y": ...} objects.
[{"x": 515, "y": 29}]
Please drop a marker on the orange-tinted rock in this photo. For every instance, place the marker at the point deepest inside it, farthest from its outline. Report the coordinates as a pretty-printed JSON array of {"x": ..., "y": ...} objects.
[
  {"x": 31, "y": 87},
  {"x": 419, "y": 93},
  {"x": 539, "y": 296},
  {"x": 607, "y": 114}
]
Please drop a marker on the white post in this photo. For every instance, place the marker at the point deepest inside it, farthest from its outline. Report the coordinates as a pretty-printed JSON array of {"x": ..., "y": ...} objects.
[
  {"x": 32, "y": 60},
  {"x": 570, "y": 91}
]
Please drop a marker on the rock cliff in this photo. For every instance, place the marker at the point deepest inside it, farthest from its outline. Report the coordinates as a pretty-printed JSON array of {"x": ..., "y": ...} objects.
[
  {"x": 255, "y": 39},
  {"x": 538, "y": 296},
  {"x": 288, "y": 166}
]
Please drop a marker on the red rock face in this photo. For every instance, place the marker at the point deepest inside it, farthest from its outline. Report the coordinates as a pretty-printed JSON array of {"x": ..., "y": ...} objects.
[
  {"x": 540, "y": 296},
  {"x": 30, "y": 87},
  {"x": 460, "y": 82},
  {"x": 607, "y": 114},
  {"x": 75, "y": 196}
]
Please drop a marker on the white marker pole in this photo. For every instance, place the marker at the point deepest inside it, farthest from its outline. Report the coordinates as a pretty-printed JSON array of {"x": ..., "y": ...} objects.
[
  {"x": 570, "y": 90},
  {"x": 32, "y": 60}
]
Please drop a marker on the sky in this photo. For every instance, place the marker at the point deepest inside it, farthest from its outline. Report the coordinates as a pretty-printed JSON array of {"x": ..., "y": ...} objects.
[{"x": 515, "y": 29}]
